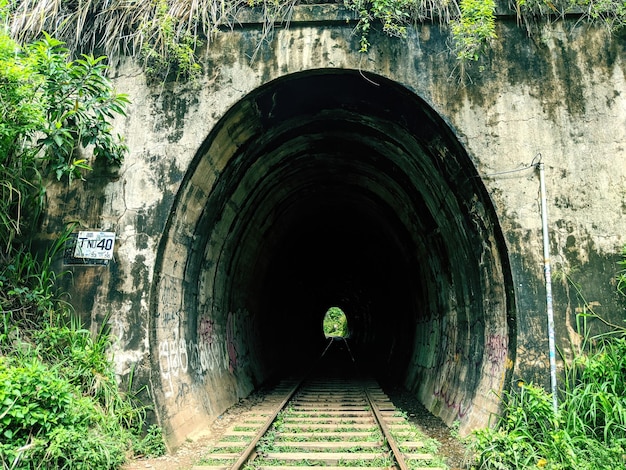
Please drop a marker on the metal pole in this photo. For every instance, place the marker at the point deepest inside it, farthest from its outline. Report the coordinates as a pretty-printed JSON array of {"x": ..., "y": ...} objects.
[{"x": 548, "y": 275}]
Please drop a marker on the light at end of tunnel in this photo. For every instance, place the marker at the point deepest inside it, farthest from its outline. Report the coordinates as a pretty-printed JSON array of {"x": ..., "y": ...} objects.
[{"x": 335, "y": 324}]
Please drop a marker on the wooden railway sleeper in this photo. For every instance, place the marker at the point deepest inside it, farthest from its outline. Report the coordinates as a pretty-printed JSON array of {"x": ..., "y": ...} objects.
[{"x": 336, "y": 424}]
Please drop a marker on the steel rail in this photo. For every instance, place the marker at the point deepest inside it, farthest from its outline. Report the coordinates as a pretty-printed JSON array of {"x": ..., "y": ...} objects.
[
  {"x": 335, "y": 419},
  {"x": 249, "y": 450},
  {"x": 391, "y": 441}
]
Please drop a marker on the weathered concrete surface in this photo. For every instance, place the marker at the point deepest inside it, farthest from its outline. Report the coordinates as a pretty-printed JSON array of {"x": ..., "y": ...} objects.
[{"x": 218, "y": 209}]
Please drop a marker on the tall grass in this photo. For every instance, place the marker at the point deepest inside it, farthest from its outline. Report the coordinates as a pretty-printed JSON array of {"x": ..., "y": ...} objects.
[
  {"x": 595, "y": 389},
  {"x": 588, "y": 432}
]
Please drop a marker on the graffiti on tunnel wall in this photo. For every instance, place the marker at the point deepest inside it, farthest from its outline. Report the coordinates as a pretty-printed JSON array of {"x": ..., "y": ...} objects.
[
  {"x": 178, "y": 356},
  {"x": 239, "y": 335},
  {"x": 451, "y": 363},
  {"x": 217, "y": 344},
  {"x": 447, "y": 391},
  {"x": 170, "y": 301},
  {"x": 496, "y": 350}
]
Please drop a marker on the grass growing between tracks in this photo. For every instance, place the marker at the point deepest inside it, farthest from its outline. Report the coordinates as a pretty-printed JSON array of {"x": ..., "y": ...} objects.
[
  {"x": 313, "y": 462},
  {"x": 237, "y": 439},
  {"x": 346, "y": 443},
  {"x": 430, "y": 447},
  {"x": 244, "y": 428}
]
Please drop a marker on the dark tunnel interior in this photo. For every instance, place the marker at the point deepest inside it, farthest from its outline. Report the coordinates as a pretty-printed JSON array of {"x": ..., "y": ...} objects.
[
  {"x": 329, "y": 188},
  {"x": 336, "y": 254}
]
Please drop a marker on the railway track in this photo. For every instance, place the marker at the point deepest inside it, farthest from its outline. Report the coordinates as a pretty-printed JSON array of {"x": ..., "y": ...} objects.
[{"x": 334, "y": 421}]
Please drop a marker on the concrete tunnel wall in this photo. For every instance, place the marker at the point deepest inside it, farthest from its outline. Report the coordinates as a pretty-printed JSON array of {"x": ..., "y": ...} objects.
[
  {"x": 231, "y": 187},
  {"x": 324, "y": 189}
]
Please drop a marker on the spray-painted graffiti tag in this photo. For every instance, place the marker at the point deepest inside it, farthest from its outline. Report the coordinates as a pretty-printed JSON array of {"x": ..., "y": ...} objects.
[
  {"x": 170, "y": 299},
  {"x": 173, "y": 359},
  {"x": 180, "y": 356},
  {"x": 496, "y": 348}
]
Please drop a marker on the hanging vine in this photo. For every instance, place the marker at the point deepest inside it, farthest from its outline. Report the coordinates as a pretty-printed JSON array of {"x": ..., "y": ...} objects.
[{"x": 167, "y": 34}]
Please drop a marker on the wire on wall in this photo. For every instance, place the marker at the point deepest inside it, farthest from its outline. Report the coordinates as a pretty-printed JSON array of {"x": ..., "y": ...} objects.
[{"x": 537, "y": 165}]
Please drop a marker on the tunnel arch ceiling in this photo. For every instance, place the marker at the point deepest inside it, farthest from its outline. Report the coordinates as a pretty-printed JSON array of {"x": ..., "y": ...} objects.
[{"x": 329, "y": 188}]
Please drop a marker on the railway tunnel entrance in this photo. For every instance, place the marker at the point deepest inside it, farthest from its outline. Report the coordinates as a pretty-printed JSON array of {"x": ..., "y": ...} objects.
[{"x": 331, "y": 188}]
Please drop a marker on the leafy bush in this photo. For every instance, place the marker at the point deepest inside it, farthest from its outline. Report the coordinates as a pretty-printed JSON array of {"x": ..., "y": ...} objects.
[
  {"x": 78, "y": 100},
  {"x": 589, "y": 429},
  {"x": 529, "y": 435},
  {"x": 60, "y": 406},
  {"x": 151, "y": 445},
  {"x": 53, "y": 109},
  {"x": 45, "y": 418}
]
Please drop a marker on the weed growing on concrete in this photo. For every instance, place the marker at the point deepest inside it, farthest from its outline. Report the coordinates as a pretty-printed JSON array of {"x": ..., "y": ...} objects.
[
  {"x": 167, "y": 34},
  {"x": 621, "y": 275},
  {"x": 169, "y": 54}
]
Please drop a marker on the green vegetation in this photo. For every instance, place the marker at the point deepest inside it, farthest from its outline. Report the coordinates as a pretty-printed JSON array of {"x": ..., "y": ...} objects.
[
  {"x": 410, "y": 433},
  {"x": 621, "y": 275},
  {"x": 335, "y": 323},
  {"x": 393, "y": 15},
  {"x": 168, "y": 33},
  {"x": 60, "y": 406},
  {"x": 170, "y": 53},
  {"x": 589, "y": 428},
  {"x": 474, "y": 28}
]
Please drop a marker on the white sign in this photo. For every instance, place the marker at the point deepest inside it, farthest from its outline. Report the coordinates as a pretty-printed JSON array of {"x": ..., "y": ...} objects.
[{"x": 94, "y": 245}]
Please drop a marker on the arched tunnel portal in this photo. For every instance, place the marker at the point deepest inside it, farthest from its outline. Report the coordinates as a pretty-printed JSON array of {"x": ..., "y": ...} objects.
[{"x": 329, "y": 188}]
